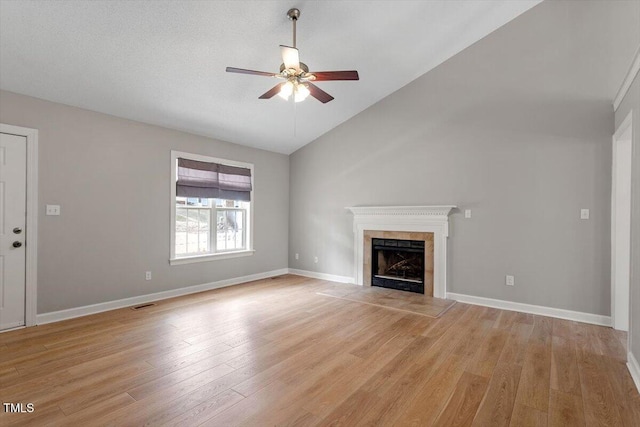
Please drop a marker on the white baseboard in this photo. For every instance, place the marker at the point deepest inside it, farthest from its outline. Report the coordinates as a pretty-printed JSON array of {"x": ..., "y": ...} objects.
[
  {"x": 56, "y": 316},
  {"x": 578, "y": 316},
  {"x": 322, "y": 276},
  {"x": 634, "y": 369}
]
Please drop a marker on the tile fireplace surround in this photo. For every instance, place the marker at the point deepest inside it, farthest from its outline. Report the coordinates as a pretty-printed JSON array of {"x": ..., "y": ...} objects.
[{"x": 396, "y": 221}]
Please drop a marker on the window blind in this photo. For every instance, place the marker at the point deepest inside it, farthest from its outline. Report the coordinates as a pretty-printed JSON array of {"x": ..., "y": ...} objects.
[{"x": 213, "y": 181}]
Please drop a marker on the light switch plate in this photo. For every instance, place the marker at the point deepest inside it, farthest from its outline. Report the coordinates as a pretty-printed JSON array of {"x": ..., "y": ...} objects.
[
  {"x": 467, "y": 213},
  {"x": 510, "y": 281},
  {"x": 53, "y": 210},
  {"x": 584, "y": 213}
]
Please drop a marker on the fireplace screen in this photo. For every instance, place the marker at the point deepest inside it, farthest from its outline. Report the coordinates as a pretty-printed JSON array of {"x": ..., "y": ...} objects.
[{"x": 398, "y": 264}]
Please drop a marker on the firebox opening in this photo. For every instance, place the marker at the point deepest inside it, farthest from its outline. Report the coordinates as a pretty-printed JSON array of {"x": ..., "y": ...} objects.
[{"x": 398, "y": 264}]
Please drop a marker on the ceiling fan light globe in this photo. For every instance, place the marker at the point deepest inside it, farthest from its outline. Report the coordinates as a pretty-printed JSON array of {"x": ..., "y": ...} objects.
[
  {"x": 302, "y": 92},
  {"x": 286, "y": 90}
]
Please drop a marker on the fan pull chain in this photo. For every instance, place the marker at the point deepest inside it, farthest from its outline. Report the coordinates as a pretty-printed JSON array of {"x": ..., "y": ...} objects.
[{"x": 295, "y": 110}]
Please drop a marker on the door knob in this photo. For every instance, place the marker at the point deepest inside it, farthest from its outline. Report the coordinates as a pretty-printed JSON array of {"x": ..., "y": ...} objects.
[
  {"x": 17, "y": 244},
  {"x": 17, "y": 230}
]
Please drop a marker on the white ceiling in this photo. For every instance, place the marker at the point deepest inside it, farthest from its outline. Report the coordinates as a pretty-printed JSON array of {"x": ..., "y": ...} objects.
[{"x": 163, "y": 62}]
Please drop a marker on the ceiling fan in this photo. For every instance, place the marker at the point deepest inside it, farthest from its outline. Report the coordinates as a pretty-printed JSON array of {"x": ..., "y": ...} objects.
[{"x": 297, "y": 78}]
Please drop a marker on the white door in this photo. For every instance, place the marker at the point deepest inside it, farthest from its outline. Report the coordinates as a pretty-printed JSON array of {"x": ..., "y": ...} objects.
[{"x": 13, "y": 214}]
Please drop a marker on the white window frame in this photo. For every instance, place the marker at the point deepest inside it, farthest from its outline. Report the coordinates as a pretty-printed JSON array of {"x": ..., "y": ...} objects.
[{"x": 188, "y": 259}]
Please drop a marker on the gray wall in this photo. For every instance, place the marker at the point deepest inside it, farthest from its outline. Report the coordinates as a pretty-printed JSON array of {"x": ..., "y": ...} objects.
[
  {"x": 632, "y": 102},
  {"x": 517, "y": 128},
  {"x": 112, "y": 178}
]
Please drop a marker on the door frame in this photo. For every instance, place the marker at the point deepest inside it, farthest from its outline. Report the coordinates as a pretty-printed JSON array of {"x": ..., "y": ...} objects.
[
  {"x": 627, "y": 124},
  {"x": 31, "y": 238}
]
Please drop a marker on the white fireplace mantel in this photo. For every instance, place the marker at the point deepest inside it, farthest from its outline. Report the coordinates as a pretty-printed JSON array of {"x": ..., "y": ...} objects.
[{"x": 428, "y": 219}]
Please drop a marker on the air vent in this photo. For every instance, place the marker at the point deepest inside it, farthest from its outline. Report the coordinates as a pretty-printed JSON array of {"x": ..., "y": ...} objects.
[{"x": 139, "y": 307}]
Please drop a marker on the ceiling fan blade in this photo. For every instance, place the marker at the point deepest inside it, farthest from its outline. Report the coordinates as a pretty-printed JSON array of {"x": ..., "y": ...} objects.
[
  {"x": 271, "y": 92},
  {"x": 335, "y": 75},
  {"x": 318, "y": 93},
  {"x": 255, "y": 73},
  {"x": 290, "y": 57}
]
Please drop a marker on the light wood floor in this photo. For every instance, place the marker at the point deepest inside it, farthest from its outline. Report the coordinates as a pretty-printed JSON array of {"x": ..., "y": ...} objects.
[
  {"x": 392, "y": 299},
  {"x": 275, "y": 352}
]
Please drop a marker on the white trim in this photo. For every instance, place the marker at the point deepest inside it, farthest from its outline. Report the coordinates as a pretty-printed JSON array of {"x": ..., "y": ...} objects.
[
  {"x": 71, "y": 313},
  {"x": 425, "y": 219},
  {"x": 322, "y": 276},
  {"x": 578, "y": 316},
  {"x": 173, "y": 260},
  {"x": 439, "y": 211},
  {"x": 12, "y": 329},
  {"x": 31, "y": 237},
  {"x": 210, "y": 257},
  {"x": 626, "y": 123},
  {"x": 628, "y": 80},
  {"x": 620, "y": 295},
  {"x": 634, "y": 369}
]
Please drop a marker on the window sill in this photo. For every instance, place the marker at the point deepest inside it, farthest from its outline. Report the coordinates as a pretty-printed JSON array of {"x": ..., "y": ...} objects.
[{"x": 210, "y": 257}]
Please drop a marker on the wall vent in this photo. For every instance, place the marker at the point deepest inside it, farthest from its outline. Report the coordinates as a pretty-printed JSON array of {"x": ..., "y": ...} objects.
[{"x": 138, "y": 307}]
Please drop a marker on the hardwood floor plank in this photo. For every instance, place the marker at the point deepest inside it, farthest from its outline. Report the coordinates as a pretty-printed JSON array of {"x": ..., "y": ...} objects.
[
  {"x": 487, "y": 356},
  {"x": 419, "y": 405},
  {"x": 200, "y": 414},
  {"x": 308, "y": 384},
  {"x": 624, "y": 390},
  {"x": 533, "y": 387},
  {"x": 337, "y": 391},
  {"x": 51, "y": 415},
  {"x": 525, "y": 416},
  {"x": 177, "y": 382},
  {"x": 599, "y": 401},
  {"x": 564, "y": 366},
  {"x": 166, "y": 407},
  {"x": 100, "y": 409},
  {"x": 565, "y": 409},
  {"x": 497, "y": 405},
  {"x": 463, "y": 402},
  {"x": 432, "y": 380}
]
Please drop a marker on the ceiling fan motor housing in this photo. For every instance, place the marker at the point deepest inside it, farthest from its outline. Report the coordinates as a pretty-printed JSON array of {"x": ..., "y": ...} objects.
[{"x": 303, "y": 67}]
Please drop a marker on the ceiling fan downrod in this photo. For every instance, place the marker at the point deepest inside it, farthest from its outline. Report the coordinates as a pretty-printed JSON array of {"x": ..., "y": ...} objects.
[{"x": 294, "y": 14}]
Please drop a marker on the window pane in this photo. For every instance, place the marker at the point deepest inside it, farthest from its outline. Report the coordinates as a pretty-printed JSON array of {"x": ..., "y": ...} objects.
[
  {"x": 239, "y": 239},
  {"x": 181, "y": 243},
  {"x": 205, "y": 219},
  {"x": 240, "y": 219},
  {"x": 221, "y": 230},
  {"x": 192, "y": 231},
  {"x": 232, "y": 229},
  {"x": 181, "y": 231},
  {"x": 181, "y": 220}
]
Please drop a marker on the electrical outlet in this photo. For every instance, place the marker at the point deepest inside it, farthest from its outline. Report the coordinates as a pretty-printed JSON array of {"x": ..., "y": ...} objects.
[
  {"x": 297, "y": 255},
  {"x": 584, "y": 213},
  {"x": 147, "y": 275},
  {"x": 467, "y": 213},
  {"x": 315, "y": 259},
  {"x": 53, "y": 210},
  {"x": 510, "y": 281}
]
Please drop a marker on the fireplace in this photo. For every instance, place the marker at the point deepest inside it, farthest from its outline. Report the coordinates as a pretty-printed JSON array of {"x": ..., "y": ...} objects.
[
  {"x": 398, "y": 264},
  {"x": 429, "y": 224}
]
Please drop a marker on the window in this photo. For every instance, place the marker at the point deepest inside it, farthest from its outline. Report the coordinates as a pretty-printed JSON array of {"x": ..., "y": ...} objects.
[{"x": 210, "y": 208}]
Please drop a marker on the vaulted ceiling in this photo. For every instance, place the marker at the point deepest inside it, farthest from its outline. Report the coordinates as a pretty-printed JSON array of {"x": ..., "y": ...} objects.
[{"x": 163, "y": 62}]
